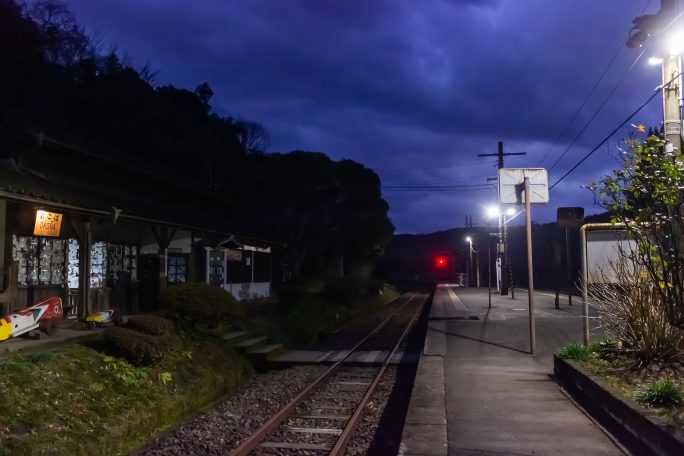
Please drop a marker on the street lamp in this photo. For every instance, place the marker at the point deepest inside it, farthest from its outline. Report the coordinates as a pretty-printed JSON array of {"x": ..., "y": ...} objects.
[
  {"x": 469, "y": 240},
  {"x": 675, "y": 43},
  {"x": 500, "y": 214},
  {"x": 670, "y": 44}
]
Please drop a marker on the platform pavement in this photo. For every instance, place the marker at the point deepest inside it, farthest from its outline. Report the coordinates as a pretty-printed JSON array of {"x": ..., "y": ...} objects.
[{"x": 478, "y": 391}]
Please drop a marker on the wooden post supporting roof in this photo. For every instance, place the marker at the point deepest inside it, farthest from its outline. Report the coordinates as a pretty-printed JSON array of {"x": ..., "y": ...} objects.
[
  {"x": 163, "y": 236},
  {"x": 84, "y": 235}
]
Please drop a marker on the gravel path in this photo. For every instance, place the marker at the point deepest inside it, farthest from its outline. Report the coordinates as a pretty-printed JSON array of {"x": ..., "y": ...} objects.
[{"x": 220, "y": 429}]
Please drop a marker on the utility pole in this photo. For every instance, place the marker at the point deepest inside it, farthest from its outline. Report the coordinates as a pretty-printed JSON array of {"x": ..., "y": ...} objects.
[
  {"x": 502, "y": 229},
  {"x": 672, "y": 97},
  {"x": 657, "y": 24},
  {"x": 672, "y": 86}
]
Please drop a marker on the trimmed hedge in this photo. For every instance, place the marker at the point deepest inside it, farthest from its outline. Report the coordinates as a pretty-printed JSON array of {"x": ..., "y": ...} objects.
[
  {"x": 201, "y": 305},
  {"x": 150, "y": 324},
  {"x": 138, "y": 348}
]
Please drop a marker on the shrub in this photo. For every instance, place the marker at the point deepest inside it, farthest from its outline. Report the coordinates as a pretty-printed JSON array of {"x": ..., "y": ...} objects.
[
  {"x": 200, "y": 305},
  {"x": 577, "y": 352},
  {"x": 150, "y": 324},
  {"x": 661, "y": 393},
  {"x": 138, "y": 348},
  {"x": 307, "y": 320},
  {"x": 374, "y": 287},
  {"x": 344, "y": 290},
  {"x": 289, "y": 295},
  {"x": 632, "y": 312}
]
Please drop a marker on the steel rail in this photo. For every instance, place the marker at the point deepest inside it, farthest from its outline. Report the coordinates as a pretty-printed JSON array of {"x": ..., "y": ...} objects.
[
  {"x": 341, "y": 443},
  {"x": 257, "y": 436}
]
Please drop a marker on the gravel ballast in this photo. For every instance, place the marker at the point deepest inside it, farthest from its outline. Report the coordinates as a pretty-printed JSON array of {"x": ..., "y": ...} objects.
[{"x": 221, "y": 429}]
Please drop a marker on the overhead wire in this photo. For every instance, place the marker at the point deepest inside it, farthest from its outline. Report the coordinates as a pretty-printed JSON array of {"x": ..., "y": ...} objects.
[
  {"x": 434, "y": 187},
  {"x": 438, "y": 182},
  {"x": 642, "y": 106},
  {"x": 615, "y": 130},
  {"x": 588, "y": 96},
  {"x": 414, "y": 168},
  {"x": 584, "y": 102},
  {"x": 597, "y": 110}
]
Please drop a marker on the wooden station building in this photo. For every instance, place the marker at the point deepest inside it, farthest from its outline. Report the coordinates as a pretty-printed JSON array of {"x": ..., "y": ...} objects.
[{"x": 102, "y": 235}]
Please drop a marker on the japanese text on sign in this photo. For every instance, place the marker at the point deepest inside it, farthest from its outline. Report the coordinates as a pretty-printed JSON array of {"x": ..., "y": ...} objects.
[{"x": 47, "y": 223}]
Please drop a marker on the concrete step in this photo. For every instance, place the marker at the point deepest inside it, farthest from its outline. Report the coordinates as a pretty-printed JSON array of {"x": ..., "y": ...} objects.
[
  {"x": 266, "y": 352},
  {"x": 235, "y": 337},
  {"x": 251, "y": 343}
]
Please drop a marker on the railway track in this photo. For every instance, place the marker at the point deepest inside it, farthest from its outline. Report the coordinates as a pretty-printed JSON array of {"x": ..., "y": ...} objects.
[{"x": 323, "y": 416}]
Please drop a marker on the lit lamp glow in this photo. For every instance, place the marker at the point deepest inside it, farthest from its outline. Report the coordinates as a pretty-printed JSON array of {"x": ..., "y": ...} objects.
[
  {"x": 494, "y": 211},
  {"x": 675, "y": 43}
]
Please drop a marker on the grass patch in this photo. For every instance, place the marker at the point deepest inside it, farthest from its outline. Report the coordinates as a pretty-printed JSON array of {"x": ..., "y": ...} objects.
[
  {"x": 577, "y": 352},
  {"x": 660, "y": 393},
  {"x": 77, "y": 401},
  {"x": 617, "y": 374}
]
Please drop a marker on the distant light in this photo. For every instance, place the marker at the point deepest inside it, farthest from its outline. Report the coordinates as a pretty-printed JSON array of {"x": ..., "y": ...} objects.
[
  {"x": 468, "y": 239},
  {"x": 655, "y": 61},
  {"x": 675, "y": 43},
  {"x": 510, "y": 211},
  {"x": 493, "y": 211},
  {"x": 440, "y": 262}
]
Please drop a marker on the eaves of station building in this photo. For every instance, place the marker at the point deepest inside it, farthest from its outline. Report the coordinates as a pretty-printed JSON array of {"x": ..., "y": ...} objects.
[{"x": 131, "y": 232}]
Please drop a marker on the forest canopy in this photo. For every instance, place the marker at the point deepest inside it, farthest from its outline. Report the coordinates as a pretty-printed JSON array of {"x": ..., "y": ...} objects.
[{"x": 55, "y": 79}]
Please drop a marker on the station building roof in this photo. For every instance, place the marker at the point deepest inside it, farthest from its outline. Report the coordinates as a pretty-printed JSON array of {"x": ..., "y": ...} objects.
[{"x": 39, "y": 170}]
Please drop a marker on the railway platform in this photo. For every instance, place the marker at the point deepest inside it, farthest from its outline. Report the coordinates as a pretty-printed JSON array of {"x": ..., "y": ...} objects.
[
  {"x": 478, "y": 391},
  {"x": 69, "y": 332}
]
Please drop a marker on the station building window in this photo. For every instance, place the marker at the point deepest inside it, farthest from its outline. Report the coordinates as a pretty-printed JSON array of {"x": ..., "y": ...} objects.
[{"x": 176, "y": 268}]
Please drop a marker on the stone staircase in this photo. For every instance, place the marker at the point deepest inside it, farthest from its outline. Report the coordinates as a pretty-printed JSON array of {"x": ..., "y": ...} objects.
[{"x": 258, "y": 349}]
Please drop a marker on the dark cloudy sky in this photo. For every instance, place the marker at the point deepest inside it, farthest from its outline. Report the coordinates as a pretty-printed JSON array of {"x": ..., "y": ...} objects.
[{"x": 413, "y": 89}]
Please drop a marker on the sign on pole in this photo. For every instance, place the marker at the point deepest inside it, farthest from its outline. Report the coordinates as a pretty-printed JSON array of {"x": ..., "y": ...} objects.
[
  {"x": 511, "y": 185},
  {"x": 525, "y": 186}
]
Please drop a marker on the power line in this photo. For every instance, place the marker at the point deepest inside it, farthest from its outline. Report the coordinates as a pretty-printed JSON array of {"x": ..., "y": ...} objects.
[
  {"x": 434, "y": 187},
  {"x": 461, "y": 165},
  {"x": 440, "y": 182},
  {"x": 588, "y": 96},
  {"x": 597, "y": 110},
  {"x": 673, "y": 21},
  {"x": 584, "y": 102},
  {"x": 643, "y": 105},
  {"x": 397, "y": 194}
]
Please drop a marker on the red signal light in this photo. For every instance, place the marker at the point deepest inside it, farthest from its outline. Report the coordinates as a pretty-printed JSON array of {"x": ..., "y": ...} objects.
[{"x": 440, "y": 262}]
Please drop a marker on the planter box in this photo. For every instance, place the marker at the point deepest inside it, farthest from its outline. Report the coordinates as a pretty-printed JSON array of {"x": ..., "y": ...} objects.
[{"x": 637, "y": 428}]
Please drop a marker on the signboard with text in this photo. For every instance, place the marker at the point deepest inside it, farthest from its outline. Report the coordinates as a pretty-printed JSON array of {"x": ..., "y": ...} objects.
[{"x": 47, "y": 224}]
